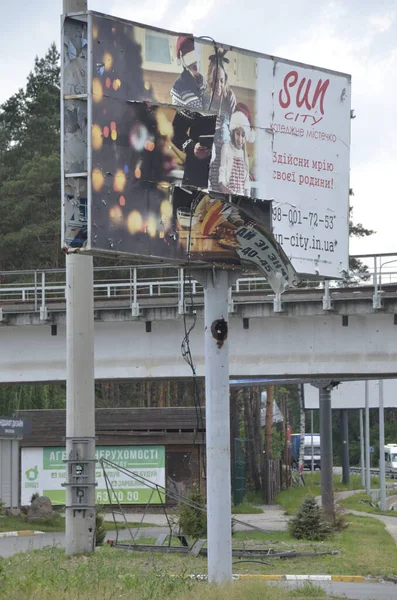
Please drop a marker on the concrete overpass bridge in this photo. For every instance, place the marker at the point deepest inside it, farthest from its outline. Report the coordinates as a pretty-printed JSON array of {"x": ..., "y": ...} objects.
[{"x": 327, "y": 330}]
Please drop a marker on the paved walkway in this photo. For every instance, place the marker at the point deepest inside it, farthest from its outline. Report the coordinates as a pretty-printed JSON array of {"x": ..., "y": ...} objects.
[
  {"x": 390, "y": 522},
  {"x": 271, "y": 519}
]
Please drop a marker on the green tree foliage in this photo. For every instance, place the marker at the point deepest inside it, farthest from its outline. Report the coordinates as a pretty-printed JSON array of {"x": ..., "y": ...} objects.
[
  {"x": 309, "y": 523},
  {"x": 193, "y": 521},
  {"x": 30, "y": 170},
  {"x": 26, "y": 397},
  {"x": 100, "y": 531},
  {"x": 357, "y": 267}
]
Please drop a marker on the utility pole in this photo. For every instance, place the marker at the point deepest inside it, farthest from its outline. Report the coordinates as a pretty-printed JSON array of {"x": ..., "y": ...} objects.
[
  {"x": 80, "y": 392},
  {"x": 216, "y": 285},
  {"x": 367, "y": 442},
  {"x": 382, "y": 470}
]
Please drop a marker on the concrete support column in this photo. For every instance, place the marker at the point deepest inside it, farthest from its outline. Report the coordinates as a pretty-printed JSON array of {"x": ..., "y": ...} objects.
[
  {"x": 80, "y": 406},
  {"x": 367, "y": 443},
  {"x": 344, "y": 439},
  {"x": 216, "y": 286},
  {"x": 327, "y": 487},
  {"x": 382, "y": 466}
]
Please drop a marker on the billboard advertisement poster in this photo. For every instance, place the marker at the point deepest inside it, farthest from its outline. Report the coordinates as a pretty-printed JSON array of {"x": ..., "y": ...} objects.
[
  {"x": 170, "y": 111},
  {"x": 43, "y": 471},
  {"x": 310, "y": 174},
  {"x": 351, "y": 395}
]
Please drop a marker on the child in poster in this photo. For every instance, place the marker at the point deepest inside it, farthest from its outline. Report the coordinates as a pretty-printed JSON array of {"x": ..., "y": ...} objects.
[{"x": 234, "y": 176}]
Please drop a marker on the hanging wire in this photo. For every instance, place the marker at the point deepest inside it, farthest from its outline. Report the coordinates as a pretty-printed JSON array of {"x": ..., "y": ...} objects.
[
  {"x": 185, "y": 345},
  {"x": 187, "y": 278}
]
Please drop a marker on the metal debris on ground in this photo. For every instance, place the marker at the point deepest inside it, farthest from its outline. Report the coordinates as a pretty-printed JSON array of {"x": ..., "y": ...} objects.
[{"x": 164, "y": 543}]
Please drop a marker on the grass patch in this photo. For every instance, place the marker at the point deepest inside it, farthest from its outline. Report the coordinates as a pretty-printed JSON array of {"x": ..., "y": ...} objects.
[
  {"x": 251, "y": 505},
  {"x": 50, "y": 525},
  {"x": 246, "y": 509},
  {"x": 110, "y": 526},
  {"x": 361, "y": 503},
  {"x": 53, "y": 524},
  {"x": 255, "y": 498},
  {"x": 109, "y": 573},
  {"x": 365, "y": 548},
  {"x": 144, "y": 541},
  {"x": 291, "y": 498},
  {"x": 308, "y": 590}
]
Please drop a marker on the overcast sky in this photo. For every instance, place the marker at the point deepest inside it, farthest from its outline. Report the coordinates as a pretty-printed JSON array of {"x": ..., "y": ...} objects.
[{"x": 354, "y": 36}]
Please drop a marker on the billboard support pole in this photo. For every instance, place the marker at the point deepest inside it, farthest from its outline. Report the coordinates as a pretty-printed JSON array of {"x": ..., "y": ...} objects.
[
  {"x": 367, "y": 442},
  {"x": 327, "y": 488},
  {"x": 382, "y": 470},
  {"x": 74, "y": 6},
  {"x": 216, "y": 285},
  {"x": 80, "y": 392},
  {"x": 362, "y": 461},
  {"x": 80, "y": 406}
]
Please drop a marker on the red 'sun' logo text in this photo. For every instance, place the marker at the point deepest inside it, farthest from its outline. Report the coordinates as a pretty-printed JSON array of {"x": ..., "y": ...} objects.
[{"x": 303, "y": 92}]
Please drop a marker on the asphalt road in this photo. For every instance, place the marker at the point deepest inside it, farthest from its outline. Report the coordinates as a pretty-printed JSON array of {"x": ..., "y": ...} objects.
[
  {"x": 13, "y": 545},
  {"x": 354, "y": 591}
]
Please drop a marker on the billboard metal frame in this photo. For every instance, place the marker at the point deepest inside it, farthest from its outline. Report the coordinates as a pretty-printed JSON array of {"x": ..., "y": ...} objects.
[{"x": 88, "y": 246}]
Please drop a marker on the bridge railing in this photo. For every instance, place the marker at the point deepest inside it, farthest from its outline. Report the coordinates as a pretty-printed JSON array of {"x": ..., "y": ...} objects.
[{"x": 134, "y": 282}]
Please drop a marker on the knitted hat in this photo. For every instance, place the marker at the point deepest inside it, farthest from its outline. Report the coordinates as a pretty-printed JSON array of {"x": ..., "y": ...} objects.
[
  {"x": 242, "y": 107},
  {"x": 240, "y": 119},
  {"x": 185, "y": 50}
]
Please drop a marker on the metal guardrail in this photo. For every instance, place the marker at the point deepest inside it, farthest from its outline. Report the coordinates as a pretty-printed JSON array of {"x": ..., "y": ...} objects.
[
  {"x": 39, "y": 287},
  {"x": 374, "y": 472}
]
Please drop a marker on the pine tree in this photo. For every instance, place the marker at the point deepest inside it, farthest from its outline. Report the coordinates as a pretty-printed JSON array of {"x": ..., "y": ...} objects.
[
  {"x": 30, "y": 201},
  {"x": 309, "y": 523},
  {"x": 193, "y": 521}
]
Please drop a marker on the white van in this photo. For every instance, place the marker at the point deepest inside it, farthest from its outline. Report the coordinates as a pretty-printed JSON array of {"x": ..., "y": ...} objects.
[
  {"x": 391, "y": 459},
  {"x": 316, "y": 452}
]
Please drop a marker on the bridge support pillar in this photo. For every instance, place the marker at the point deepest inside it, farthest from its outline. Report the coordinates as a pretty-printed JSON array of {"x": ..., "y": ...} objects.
[
  {"x": 344, "y": 441},
  {"x": 216, "y": 284},
  {"x": 327, "y": 487},
  {"x": 382, "y": 466},
  {"x": 367, "y": 443},
  {"x": 362, "y": 448}
]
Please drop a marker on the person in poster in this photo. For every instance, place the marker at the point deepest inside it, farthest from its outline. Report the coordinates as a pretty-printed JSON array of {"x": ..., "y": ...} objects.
[
  {"x": 234, "y": 176},
  {"x": 219, "y": 97},
  {"x": 193, "y": 133},
  {"x": 188, "y": 90}
]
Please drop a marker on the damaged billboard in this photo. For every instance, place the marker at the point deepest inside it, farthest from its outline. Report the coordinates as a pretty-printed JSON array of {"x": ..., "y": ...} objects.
[{"x": 177, "y": 148}]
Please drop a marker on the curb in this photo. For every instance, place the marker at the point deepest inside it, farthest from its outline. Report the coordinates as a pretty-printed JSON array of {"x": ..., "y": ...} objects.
[
  {"x": 23, "y": 532},
  {"x": 330, "y": 578}
]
